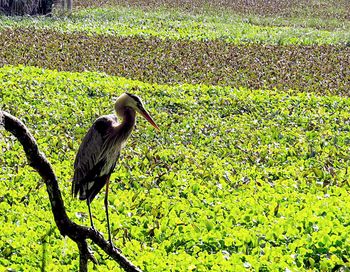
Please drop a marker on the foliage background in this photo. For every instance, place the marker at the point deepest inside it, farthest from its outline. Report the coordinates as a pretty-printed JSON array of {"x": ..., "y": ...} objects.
[{"x": 250, "y": 170}]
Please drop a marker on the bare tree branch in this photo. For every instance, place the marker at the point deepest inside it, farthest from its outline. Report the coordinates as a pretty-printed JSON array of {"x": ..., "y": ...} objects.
[
  {"x": 85, "y": 255},
  {"x": 77, "y": 233}
]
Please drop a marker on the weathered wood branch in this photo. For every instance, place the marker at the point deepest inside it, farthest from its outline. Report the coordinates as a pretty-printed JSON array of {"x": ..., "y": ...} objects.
[{"x": 77, "y": 233}]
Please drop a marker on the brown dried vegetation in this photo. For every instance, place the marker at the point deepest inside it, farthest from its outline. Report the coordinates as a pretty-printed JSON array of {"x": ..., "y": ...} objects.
[
  {"x": 336, "y": 9},
  {"x": 321, "y": 69}
]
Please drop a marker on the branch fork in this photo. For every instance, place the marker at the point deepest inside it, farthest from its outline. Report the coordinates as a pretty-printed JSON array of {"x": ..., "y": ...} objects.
[{"x": 79, "y": 234}]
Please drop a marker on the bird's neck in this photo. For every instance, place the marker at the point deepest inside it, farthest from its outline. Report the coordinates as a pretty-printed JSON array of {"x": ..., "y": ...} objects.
[{"x": 128, "y": 122}]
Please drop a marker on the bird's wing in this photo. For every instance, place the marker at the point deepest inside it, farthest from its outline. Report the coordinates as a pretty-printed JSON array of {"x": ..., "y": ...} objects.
[{"x": 91, "y": 154}]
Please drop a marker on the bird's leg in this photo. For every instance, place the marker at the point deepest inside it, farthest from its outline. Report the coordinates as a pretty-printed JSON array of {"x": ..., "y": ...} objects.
[
  {"x": 88, "y": 204},
  {"x": 106, "y": 207}
]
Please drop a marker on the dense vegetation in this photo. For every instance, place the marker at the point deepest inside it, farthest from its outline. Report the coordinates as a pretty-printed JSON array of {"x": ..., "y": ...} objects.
[
  {"x": 285, "y": 9},
  {"x": 182, "y": 49},
  {"x": 250, "y": 169}
]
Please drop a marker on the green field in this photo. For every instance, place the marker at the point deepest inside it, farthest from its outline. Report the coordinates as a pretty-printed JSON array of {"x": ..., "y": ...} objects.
[
  {"x": 250, "y": 169},
  {"x": 179, "y": 25}
]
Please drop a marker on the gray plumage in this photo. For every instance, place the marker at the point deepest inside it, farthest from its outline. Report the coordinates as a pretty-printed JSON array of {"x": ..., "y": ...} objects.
[
  {"x": 98, "y": 154},
  {"x": 100, "y": 149}
]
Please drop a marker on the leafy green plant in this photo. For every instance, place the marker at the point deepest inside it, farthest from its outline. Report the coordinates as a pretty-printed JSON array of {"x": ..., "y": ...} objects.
[{"x": 238, "y": 179}]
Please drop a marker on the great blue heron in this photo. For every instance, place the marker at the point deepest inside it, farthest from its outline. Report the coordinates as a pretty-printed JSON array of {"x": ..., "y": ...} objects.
[{"x": 100, "y": 150}]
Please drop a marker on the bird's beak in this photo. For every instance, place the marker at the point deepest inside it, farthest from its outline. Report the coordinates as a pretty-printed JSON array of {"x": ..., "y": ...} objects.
[{"x": 145, "y": 114}]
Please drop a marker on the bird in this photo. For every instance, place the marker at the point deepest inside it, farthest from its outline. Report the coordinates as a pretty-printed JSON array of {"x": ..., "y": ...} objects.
[{"x": 100, "y": 149}]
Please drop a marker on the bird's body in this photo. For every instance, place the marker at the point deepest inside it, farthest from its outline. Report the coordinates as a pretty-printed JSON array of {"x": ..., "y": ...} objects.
[
  {"x": 100, "y": 150},
  {"x": 98, "y": 154}
]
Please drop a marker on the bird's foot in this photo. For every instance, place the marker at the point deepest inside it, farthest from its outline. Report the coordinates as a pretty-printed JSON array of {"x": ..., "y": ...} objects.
[
  {"x": 93, "y": 229},
  {"x": 113, "y": 246},
  {"x": 111, "y": 243}
]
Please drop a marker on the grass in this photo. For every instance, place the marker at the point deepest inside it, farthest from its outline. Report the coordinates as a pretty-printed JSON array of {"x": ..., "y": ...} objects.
[
  {"x": 322, "y": 9},
  {"x": 177, "y": 25}
]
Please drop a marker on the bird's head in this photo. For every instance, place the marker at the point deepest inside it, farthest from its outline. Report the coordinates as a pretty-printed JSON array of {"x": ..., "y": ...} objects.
[{"x": 127, "y": 100}]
